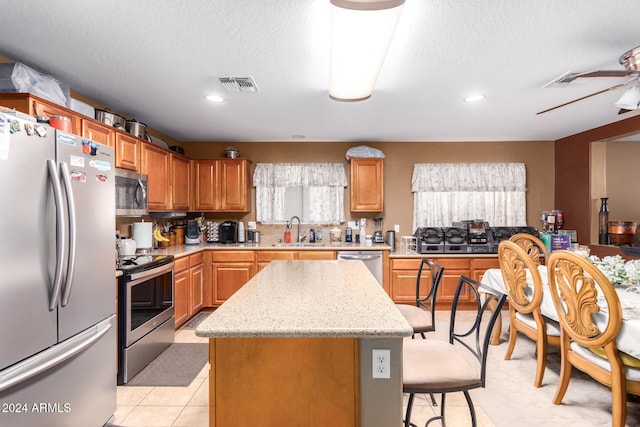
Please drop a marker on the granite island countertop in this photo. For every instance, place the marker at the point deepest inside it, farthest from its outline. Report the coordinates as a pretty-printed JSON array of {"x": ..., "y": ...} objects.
[{"x": 308, "y": 299}]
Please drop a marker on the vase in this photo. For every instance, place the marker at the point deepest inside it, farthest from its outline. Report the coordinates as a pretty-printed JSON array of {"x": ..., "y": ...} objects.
[{"x": 603, "y": 217}]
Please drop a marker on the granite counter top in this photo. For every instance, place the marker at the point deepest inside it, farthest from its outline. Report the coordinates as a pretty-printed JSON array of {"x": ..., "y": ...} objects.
[
  {"x": 184, "y": 250},
  {"x": 308, "y": 299}
]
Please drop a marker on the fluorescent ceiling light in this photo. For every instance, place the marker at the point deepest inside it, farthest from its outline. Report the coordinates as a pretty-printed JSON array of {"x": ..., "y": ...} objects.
[
  {"x": 214, "y": 98},
  {"x": 474, "y": 98},
  {"x": 361, "y": 31}
]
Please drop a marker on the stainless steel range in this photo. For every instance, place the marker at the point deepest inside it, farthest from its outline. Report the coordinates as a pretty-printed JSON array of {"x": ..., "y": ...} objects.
[{"x": 145, "y": 311}]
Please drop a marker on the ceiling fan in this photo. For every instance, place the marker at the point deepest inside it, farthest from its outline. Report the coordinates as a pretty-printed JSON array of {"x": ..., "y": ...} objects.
[{"x": 630, "y": 99}]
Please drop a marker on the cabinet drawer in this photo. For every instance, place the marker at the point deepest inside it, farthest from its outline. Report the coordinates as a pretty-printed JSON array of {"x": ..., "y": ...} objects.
[
  {"x": 405, "y": 263},
  {"x": 231, "y": 256},
  {"x": 454, "y": 263},
  {"x": 195, "y": 259},
  {"x": 266, "y": 256},
  {"x": 484, "y": 263},
  {"x": 181, "y": 264}
]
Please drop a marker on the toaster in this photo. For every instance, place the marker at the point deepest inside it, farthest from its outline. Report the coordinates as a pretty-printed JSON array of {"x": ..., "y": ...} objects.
[{"x": 227, "y": 232}]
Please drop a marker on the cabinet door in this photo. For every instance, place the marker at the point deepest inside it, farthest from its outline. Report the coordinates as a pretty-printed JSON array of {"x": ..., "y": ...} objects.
[
  {"x": 233, "y": 194},
  {"x": 263, "y": 258},
  {"x": 403, "y": 281},
  {"x": 127, "y": 152},
  {"x": 181, "y": 297},
  {"x": 45, "y": 108},
  {"x": 181, "y": 174},
  {"x": 196, "y": 282},
  {"x": 367, "y": 185},
  {"x": 156, "y": 164},
  {"x": 205, "y": 180},
  {"x": 99, "y": 132},
  {"x": 228, "y": 278}
]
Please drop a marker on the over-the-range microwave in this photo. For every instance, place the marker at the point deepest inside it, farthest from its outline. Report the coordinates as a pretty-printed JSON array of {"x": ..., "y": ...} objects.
[{"x": 131, "y": 193}]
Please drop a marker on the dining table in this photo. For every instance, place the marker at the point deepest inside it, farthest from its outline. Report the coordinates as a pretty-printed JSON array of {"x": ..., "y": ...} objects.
[{"x": 628, "y": 339}]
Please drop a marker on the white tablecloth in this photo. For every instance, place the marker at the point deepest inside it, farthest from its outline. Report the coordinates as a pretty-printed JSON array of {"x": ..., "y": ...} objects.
[{"x": 629, "y": 336}]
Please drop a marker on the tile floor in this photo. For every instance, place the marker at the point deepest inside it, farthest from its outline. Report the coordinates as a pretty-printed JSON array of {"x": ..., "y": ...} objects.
[{"x": 508, "y": 400}]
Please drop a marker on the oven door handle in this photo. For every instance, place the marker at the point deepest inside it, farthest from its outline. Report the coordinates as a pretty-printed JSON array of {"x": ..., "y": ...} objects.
[{"x": 136, "y": 278}]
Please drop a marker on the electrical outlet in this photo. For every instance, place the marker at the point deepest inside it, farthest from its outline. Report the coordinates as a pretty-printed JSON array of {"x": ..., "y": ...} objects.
[
  {"x": 251, "y": 225},
  {"x": 381, "y": 363},
  {"x": 396, "y": 227}
]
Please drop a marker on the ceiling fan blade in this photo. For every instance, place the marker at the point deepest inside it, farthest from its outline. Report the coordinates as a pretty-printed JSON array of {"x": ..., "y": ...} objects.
[
  {"x": 581, "y": 98},
  {"x": 605, "y": 73}
]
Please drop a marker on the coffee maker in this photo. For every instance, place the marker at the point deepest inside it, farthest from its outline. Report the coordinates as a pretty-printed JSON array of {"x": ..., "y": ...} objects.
[
  {"x": 192, "y": 234},
  {"x": 377, "y": 235}
]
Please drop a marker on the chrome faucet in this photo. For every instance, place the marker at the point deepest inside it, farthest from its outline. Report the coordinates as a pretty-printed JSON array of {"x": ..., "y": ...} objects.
[{"x": 290, "y": 223}]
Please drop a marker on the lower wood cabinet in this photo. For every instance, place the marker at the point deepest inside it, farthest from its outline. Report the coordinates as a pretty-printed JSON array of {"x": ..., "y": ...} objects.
[
  {"x": 188, "y": 287},
  {"x": 265, "y": 257},
  {"x": 227, "y": 271},
  {"x": 404, "y": 272}
]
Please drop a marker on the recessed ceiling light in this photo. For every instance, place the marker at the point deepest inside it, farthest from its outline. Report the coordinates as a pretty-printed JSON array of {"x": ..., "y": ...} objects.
[
  {"x": 474, "y": 98},
  {"x": 298, "y": 136},
  {"x": 214, "y": 98}
]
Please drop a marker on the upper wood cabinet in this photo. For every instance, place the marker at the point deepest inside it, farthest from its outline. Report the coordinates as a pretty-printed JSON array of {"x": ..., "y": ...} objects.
[
  {"x": 99, "y": 132},
  {"x": 180, "y": 183},
  {"x": 34, "y": 105},
  {"x": 127, "y": 151},
  {"x": 156, "y": 163},
  {"x": 367, "y": 185},
  {"x": 221, "y": 185}
]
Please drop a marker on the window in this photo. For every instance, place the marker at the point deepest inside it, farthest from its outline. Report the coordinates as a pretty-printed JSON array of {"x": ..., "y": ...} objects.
[
  {"x": 312, "y": 191},
  {"x": 447, "y": 192}
]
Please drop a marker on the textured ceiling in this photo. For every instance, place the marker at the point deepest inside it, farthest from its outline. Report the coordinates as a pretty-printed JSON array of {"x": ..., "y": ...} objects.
[{"x": 154, "y": 60}]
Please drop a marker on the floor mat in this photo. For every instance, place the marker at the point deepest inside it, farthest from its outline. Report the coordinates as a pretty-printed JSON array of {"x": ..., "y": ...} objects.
[{"x": 178, "y": 366}]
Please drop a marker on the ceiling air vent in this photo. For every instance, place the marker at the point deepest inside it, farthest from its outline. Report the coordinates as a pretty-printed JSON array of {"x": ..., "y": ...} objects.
[
  {"x": 238, "y": 84},
  {"x": 565, "y": 80}
]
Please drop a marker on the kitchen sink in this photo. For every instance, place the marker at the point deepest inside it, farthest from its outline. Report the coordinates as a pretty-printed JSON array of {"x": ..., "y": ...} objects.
[{"x": 297, "y": 245}]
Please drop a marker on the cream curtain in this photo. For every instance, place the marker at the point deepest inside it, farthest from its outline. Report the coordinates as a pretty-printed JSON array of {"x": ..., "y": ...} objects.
[
  {"x": 324, "y": 181},
  {"x": 447, "y": 192}
]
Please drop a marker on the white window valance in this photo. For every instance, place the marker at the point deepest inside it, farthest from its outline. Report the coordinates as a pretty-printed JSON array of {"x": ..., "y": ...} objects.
[
  {"x": 448, "y": 192},
  {"x": 321, "y": 186},
  {"x": 299, "y": 175},
  {"x": 469, "y": 177}
]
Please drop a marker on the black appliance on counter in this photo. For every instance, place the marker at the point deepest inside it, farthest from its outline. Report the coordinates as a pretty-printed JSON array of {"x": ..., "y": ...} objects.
[
  {"x": 227, "y": 232},
  {"x": 466, "y": 237},
  {"x": 429, "y": 240}
]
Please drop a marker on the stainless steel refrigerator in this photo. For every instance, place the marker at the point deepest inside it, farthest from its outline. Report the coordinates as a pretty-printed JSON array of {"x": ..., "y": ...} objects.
[{"x": 57, "y": 278}]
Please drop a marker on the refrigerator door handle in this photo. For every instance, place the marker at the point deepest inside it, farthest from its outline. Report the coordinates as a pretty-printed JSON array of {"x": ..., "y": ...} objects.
[
  {"x": 61, "y": 234},
  {"x": 71, "y": 212},
  {"x": 53, "y": 356}
]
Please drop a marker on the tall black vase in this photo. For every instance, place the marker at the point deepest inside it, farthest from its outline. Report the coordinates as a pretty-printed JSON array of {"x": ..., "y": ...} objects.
[{"x": 603, "y": 217}]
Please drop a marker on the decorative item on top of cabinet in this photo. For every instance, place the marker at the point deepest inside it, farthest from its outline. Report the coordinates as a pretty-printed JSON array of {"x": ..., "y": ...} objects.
[
  {"x": 221, "y": 185},
  {"x": 367, "y": 185}
]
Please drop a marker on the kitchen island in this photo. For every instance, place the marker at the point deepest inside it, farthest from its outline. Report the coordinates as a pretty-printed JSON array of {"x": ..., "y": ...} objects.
[{"x": 294, "y": 347}]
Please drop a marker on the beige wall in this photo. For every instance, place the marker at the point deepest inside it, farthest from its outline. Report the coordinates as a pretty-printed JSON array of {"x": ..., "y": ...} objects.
[
  {"x": 622, "y": 173},
  {"x": 399, "y": 159}
]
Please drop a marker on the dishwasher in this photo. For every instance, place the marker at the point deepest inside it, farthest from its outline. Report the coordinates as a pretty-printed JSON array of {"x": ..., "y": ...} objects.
[{"x": 372, "y": 259}]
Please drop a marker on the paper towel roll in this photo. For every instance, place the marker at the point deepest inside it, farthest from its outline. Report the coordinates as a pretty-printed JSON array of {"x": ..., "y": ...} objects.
[{"x": 143, "y": 234}]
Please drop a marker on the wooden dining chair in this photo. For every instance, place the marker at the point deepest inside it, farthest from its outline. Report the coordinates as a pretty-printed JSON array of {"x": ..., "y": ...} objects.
[
  {"x": 422, "y": 315},
  {"x": 590, "y": 319},
  {"x": 533, "y": 246},
  {"x": 459, "y": 365},
  {"x": 525, "y": 297}
]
